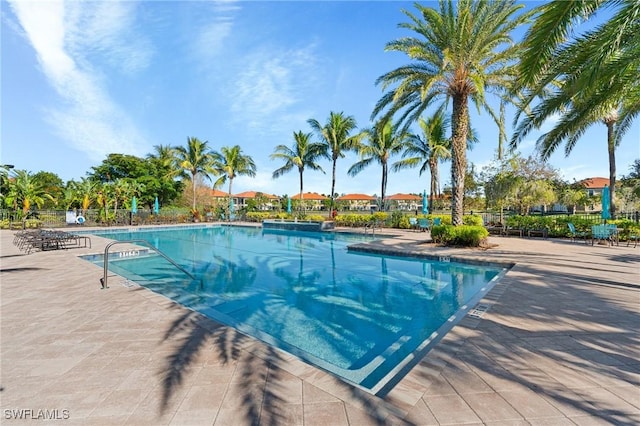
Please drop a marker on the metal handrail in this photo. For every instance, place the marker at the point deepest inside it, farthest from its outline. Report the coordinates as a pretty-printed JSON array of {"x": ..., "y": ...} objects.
[{"x": 103, "y": 280}]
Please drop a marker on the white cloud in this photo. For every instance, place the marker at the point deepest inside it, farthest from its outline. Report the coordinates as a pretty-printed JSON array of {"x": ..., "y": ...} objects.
[
  {"x": 272, "y": 83},
  {"x": 214, "y": 28},
  {"x": 67, "y": 38}
]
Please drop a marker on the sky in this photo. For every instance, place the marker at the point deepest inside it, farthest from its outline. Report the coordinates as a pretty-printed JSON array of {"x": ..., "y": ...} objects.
[{"x": 81, "y": 80}]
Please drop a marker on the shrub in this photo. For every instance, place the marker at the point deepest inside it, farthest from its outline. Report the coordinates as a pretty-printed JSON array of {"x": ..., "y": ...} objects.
[
  {"x": 472, "y": 220},
  {"x": 257, "y": 216},
  {"x": 465, "y": 235},
  {"x": 399, "y": 220},
  {"x": 352, "y": 220},
  {"x": 444, "y": 219},
  {"x": 32, "y": 224}
]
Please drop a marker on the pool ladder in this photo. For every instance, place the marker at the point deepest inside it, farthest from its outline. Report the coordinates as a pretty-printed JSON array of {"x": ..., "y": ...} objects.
[{"x": 103, "y": 280}]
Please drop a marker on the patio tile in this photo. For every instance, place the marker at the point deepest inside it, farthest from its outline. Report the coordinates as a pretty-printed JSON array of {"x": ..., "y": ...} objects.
[
  {"x": 325, "y": 413},
  {"x": 451, "y": 409},
  {"x": 568, "y": 353},
  {"x": 420, "y": 414},
  {"x": 492, "y": 407},
  {"x": 529, "y": 404}
]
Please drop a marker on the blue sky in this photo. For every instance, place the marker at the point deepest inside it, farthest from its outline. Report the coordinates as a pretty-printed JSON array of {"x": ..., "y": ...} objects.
[{"x": 81, "y": 80}]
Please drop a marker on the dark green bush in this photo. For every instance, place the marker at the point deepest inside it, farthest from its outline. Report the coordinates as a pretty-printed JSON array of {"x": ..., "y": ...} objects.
[{"x": 465, "y": 235}]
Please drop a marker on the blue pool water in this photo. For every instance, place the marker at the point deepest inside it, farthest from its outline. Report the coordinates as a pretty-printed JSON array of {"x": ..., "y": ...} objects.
[{"x": 360, "y": 316}]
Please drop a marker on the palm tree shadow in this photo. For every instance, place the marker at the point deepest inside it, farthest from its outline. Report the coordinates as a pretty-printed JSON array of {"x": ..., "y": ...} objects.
[{"x": 260, "y": 391}]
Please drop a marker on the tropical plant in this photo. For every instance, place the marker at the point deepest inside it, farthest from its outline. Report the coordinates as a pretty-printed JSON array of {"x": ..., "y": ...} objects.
[
  {"x": 460, "y": 53},
  {"x": 86, "y": 193},
  {"x": 519, "y": 182},
  {"x": 595, "y": 75},
  {"x": 572, "y": 197},
  {"x": 25, "y": 191},
  {"x": 427, "y": 150},
  {"x": 229, "y": 163},
  {"x": 381, "y": 142},
  {"x": 4, "y": 183},
  {"x": 301, "y": 155},
  {"x": 165, "y": 158},
  {"x": 336, "y": 138},
  {"x": 196, "y": 159},
  {"x": 52, "y": 185}
]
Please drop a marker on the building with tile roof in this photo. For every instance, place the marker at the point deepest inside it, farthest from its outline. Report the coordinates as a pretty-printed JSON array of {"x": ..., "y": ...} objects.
[{"x": 358, "y": 201}]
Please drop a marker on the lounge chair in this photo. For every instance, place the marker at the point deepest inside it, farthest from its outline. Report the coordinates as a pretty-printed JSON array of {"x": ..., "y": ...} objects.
[{"x": 573, "y": 233}]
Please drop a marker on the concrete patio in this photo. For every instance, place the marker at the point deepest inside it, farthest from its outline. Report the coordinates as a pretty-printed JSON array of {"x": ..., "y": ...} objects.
[{"x": 559, "y": 343}]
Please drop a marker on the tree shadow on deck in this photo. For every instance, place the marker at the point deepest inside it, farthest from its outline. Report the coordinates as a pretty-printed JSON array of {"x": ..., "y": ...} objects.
[{"x": 570, "y": 336}]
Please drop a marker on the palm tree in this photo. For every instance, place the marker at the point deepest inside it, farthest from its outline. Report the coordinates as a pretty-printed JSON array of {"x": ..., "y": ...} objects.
[
  {"x": 165, "y": 157},
  {"x": 229, "y": 163},
  {"x": 382, "y": 141},
  {"x": 25, "y": 190},
  {"x": 336, "y": 138},
  {"x": 594, "y": 77},
  {"x": 428, "y": 150},
  {"x": 303, "y": 154},
  {"x": 196, "y": 159},
  {"x": 460, "y": 53},
  {"x": 86, "y": 193}
]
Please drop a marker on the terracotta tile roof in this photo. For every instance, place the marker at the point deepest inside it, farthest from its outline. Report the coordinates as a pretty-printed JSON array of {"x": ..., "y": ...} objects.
[
  {"x": 309, "y": 196},
  {"x": 218, "y": 193},
  {"x": 405, "y": 197},
  {"x": 595, "y": 182},
  {"x": 356, "y": 197},
  {"x": 252, "y": 194}
]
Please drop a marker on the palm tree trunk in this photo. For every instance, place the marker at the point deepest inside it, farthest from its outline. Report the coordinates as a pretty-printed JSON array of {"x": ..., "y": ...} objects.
[
  {"x": 333, "y": 181},
  {"x": 301, "y": 196},
  {"x": 460, "y": 120},
  {"x": 229, "y": 204},
  {"x": 193, "y": 183},
  {"x": 384, "y": 186},
  {"x": 611, "y": 145},
  {"x": 433, "y": 166}
]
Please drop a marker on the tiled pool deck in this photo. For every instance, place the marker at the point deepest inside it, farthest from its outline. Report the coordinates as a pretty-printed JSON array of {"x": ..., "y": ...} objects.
[{"x": 559, "y": 344}]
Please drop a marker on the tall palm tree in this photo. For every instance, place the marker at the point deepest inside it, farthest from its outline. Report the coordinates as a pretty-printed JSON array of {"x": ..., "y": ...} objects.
[
  {"x": 229, "y": 163},
  {"x": 381, "y": 142},
  {"x": 304, "y": 153},
  {"x": 336, "y": 137},
  {"x": 594, "y": 76},
  {"x": 460, "y": 53},
  {"x": 428, "y": 149},
  {"x": 195, "y": 159}
]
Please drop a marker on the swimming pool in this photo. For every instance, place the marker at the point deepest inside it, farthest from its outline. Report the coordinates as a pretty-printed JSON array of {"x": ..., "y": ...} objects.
[{"x": 360, "y": 316}]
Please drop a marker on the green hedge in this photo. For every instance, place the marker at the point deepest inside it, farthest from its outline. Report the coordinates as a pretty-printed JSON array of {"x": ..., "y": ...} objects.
[
  {"x": 558, "y": 225},
  {"x": 464, "y": 235}
]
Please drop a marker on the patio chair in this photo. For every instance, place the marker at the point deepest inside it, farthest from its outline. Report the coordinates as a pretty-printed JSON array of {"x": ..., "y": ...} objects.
[
  {"x": 600, "y": 233},
  {"x": 437, "y": 221},
  {"x": 634, "y": 238},
  {"x": 424, "y": 225},
  {"x": 614, "y": 233},
  {"x": 413, "y": 223},
  {"x": 573, "y": 233}
]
